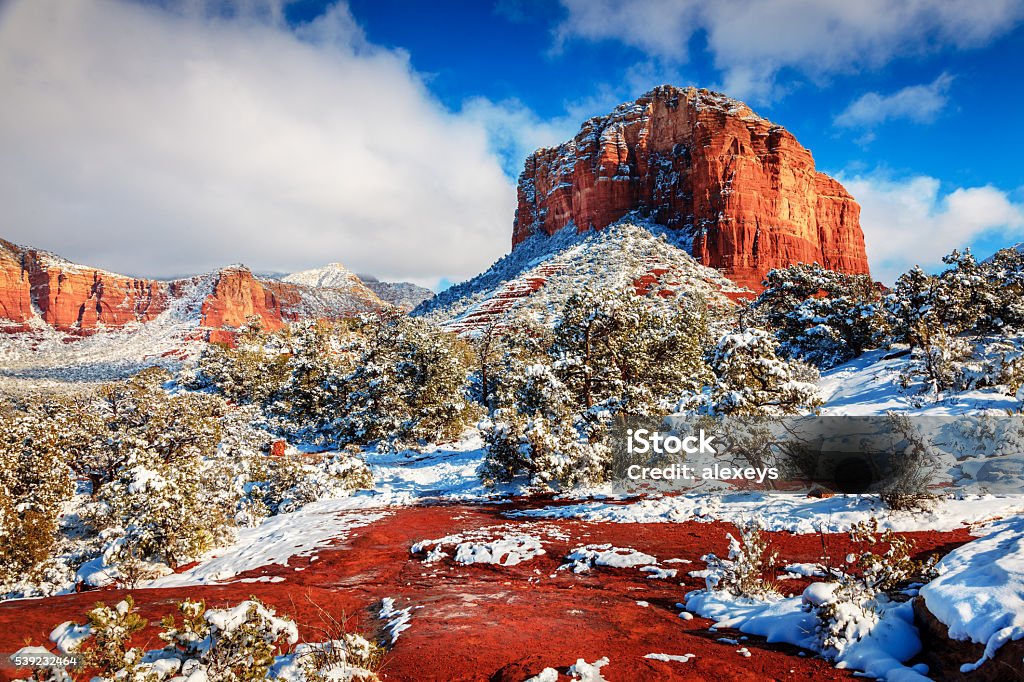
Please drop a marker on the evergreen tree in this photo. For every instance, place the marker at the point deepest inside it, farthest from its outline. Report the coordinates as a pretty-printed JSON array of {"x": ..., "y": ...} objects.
[
  {"x": 821, "y": 316},
  {"x": 34, "y": 484},
  {"x": 753, "y": 380}
]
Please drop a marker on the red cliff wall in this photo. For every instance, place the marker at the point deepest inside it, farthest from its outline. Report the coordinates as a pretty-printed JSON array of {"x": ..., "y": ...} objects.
[
  {"x": 78, "y": 299},
  {"x": 696, "y": 160}
]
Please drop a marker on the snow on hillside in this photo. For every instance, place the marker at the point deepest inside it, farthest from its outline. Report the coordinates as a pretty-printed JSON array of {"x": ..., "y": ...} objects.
[
  {"x": 870, "y": 385},
  {"x": 405, "y": 295},
  {"x": 543, "y": 272}
]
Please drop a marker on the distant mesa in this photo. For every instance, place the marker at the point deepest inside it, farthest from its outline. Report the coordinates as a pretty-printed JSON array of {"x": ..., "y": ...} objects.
[
  {"x": 38, "y": 287},
  {"x": 741, "y": 189}
]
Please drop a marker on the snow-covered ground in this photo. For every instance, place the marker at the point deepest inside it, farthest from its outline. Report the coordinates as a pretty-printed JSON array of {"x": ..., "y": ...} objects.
[
  {"x": 869, "y": 385},
  {"x": 978, "y": 593}
]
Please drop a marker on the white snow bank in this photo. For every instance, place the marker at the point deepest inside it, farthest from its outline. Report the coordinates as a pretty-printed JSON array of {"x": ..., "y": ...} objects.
[
  {"x": 280, "y": 538},
  {"x": 979, "y": 593},
  {"x": 507, "y": 551},
  {"x": 397, "y": 620},
  {"x": 588, "y": 672},
  {"x": 685, "y": 658},
  {"x": 583, "y": 558},
  {"x": 503, "y": 545},
  {"x": 879, "y": 653}
]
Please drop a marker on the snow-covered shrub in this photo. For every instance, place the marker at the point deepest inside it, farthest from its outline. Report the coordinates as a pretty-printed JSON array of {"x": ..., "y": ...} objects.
[
  {"x": 968, "y": 297},
  {"x": 820, "y": 316},
  {"x": 168, "y": 498},
  {"x": 627, "y": 351},
  {"x": 243, "y": 643},
  {"x": 321, "y": 357},
  {"x": 753, "y": 380},
  {"x": 847, "y": 608},
  {"x": 939, "y": 362},
  {"x": 541, "y": 434},
  {"x": 408, "y": 385},
  {"x": 942, "y": 363},
  {"x": 35, "y": 482},
  {"x": 107, "y": 644},
  {"x": 286, "y": 483},
  {"x": 249, "y": 372},
  {"x": 743, "y": 572},
  {"x": 351, "y": 656},
  {"x": 553, "y": 393},
  {"x": 228, "y": 645},
  {"x": 907, "y": 484}
]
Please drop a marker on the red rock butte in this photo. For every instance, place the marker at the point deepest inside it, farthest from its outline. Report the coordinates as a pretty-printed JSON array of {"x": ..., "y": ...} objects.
[{"x": 696, "y": 160}]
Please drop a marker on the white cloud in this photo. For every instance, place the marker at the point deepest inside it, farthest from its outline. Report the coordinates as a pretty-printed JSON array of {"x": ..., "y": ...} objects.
[
  {"x": 750, "y": 41},
  {"x": 516, "y": 131},
  {"x": 911, "y": 221},
  {"x": 162, "y": 142},
  {"x": 918, "y": 103}
]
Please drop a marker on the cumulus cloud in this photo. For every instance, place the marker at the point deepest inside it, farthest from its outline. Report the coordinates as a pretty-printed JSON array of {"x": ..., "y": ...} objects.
[
  {"x": 912, "y": 221},
  {"x": 515, "y": 131},
  {"x": 170, "y": 139},
  {"x": 918, "y": 103},
  {"x": 750, "y": 41}
]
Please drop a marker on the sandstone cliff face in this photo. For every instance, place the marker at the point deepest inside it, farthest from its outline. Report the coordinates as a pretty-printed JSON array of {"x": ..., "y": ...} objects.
[
  {"x": 80, "y": 300},
  {"x": 695, "y": 160},
  {"x": 71, "y": 297},
  {"x": 15, "y": 288}
]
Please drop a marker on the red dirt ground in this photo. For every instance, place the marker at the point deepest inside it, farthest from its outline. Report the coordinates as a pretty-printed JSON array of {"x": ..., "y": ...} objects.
[{"x": 494, "y": 622}]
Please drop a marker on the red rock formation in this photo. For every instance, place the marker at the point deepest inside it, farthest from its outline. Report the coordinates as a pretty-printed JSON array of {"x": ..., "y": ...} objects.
[
  {"x": 78, "y": 299},
  {"x": 72, "y": 297},
  {"x": 697, "y": 160},
  {"x": 236, "y": 297},
  {"x": 15, "y": 289}
]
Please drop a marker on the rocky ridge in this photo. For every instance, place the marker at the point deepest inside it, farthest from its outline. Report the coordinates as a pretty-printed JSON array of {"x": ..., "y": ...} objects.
[{"x": 39, "y": 287}]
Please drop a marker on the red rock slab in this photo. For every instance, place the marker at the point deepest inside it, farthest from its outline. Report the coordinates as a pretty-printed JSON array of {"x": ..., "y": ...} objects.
[{"x": 486, "y": 622}]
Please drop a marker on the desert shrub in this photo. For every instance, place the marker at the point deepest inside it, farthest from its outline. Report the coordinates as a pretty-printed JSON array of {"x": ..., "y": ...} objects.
[
  {"x": 229, "y": 645},
  {"x": 846, "y": 609},
  {"x": 110, "y": 631},
  {"x": 167, "y": 497},
  {"x": 287, "y": 483},
  {"x": 541, "y": 434},
  {"x": 408, "y": 385},
  {"x": 35, "y": 482},
  {"x": 751, "y": 378},
  {"x": 350, "y": 654},
  {"x": 243, "y": 643},
  {"x": 744, "y": 572},
  {"x": 907, "y": 485},
  {"x": 320, "y": 357},
  {"x": 553, "y": 393},
  {"x": 250, "y": 371},
  {"x": 820, "y": 316},
  {"x": 628, "y": 352},
  {"x": 967, "y": 297}
]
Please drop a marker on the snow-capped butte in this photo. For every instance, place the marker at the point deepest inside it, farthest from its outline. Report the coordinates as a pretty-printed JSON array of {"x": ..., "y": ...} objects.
[{"x": 543, "y": 272}]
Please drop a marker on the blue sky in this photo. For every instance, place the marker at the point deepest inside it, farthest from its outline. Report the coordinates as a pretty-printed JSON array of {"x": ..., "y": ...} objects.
[{"x": 168, "y": 137}]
